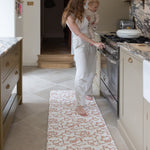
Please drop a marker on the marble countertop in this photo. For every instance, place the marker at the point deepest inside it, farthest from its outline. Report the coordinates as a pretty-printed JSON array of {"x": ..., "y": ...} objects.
[
  {"x": 140, "y": 50},
  {"x": 7, "y": 43}
]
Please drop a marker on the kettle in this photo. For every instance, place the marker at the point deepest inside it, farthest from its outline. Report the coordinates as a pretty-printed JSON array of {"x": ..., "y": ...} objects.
[{"x": 126, "y": 24}]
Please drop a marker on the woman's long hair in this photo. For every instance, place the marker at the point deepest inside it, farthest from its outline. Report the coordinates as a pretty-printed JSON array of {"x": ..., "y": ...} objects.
[{"x": 75, "y": 8}]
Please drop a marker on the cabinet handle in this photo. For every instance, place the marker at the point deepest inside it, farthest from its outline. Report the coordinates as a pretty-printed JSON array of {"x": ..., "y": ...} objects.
[
  {"x": 7, "y": 86},
  {"x": 7, "y": 64},
  {"x": 16, "y": 72},
  {"x": 130, "y": 60}
]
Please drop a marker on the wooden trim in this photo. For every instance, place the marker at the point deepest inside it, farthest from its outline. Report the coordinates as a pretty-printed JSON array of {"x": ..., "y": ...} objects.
[{"x": 19, "y": 84}]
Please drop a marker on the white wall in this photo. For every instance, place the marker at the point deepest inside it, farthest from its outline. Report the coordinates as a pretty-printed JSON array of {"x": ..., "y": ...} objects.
[
  {"x": 111, "y": 11},
  {"x": 31, "y": 32},
  {"x": 7, "y": 17}
]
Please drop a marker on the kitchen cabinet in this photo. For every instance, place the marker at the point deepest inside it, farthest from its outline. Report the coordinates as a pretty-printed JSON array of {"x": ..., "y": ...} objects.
[
  {"x": 131, "y": 106},
  {"x": 146, "y": 125},
  {"x": 10, "y": 84}
]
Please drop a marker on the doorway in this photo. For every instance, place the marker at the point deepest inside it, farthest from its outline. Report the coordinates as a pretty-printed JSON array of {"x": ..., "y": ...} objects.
[{"x": 54, "y": 39}]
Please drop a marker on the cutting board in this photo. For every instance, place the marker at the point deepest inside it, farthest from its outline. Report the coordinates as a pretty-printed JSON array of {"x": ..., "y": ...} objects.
[{"x": 141, "y": 47}]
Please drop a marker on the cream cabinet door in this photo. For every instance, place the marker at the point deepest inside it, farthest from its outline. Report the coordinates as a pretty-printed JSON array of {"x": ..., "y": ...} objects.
[
  {"x": 146, "y": 125},
  {"x": 131, "y": 101}
]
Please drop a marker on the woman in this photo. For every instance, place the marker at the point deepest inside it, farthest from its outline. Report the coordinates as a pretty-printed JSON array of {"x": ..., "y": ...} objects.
[{"x": 84, "y": 51}]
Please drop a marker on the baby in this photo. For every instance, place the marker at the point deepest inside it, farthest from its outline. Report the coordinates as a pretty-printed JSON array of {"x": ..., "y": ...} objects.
[{"x": 92, "y": 16}]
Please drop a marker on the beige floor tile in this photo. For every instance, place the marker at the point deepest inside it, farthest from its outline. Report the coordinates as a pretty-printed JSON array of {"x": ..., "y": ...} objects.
[
  {"x": 68, "y": 84},
  {"x": 35, "y": 84},
  {"x": 25, "y": 137},
  {"x": 46, "y": 92},
  {"x": 59, "y": 76},
  {"x": 29, "y": 108},
  {"x": 39, "y": 120}
]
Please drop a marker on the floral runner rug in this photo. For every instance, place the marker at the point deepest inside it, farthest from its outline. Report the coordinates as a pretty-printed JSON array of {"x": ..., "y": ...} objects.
[{"x": 69, "y": 131}]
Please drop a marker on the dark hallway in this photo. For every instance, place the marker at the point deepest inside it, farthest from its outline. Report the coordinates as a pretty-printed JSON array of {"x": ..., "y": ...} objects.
[{"x": 54, "y": 39}]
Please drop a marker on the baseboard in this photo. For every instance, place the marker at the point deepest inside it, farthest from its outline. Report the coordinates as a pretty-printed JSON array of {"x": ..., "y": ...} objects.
[
  {"x": 30, "y": 64},
  {"x": 125, "y": 136}
]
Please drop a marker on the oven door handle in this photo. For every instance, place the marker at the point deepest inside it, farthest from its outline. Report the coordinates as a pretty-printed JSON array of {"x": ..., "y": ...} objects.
[
  {"x": 104, "y": 54},
  {"x": 109, "y": 58},
  {"x": 112, "y": 60}
]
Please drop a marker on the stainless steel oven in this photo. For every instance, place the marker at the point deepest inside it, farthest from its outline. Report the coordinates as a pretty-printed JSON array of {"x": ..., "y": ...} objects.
[
  {"x": 110, "y": 77},
  {"x": 110, "y": 65}
]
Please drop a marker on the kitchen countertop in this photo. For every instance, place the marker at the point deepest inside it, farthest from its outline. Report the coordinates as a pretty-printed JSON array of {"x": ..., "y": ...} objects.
[
  {"x": 7, "y": 43},
  {"x": 140, "y": 50}
]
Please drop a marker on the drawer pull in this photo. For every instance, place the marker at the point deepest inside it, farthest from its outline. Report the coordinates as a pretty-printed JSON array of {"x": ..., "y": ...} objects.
[
  {"x": 7, "y": 64},
  {"x": 16, "y": 72},
  {"x": 130, "y": 60},
  {"x": 7, "y": 86}
]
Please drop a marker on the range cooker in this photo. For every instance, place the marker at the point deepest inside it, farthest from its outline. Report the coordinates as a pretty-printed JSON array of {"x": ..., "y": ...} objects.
[{"x": 110, "y": 57}]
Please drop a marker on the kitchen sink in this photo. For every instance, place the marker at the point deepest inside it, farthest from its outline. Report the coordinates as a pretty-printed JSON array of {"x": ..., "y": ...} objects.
[{"x": 146, "y": 80}]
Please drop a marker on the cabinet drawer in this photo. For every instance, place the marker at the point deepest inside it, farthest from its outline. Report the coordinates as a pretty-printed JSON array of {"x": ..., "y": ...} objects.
[
  {"x": 8, "y": 85},
  {"x": 9, "y": 61},
  {"x": 9, "y": 118}
]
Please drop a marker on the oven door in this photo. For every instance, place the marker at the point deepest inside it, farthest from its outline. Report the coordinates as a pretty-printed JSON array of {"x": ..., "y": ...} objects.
[{"x": 110, "y": 73}]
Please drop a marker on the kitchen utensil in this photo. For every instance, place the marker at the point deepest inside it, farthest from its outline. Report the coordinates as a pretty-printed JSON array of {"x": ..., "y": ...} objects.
[
  {"x": 128, "y": 33},
  {"x": 126, "y": 24}
]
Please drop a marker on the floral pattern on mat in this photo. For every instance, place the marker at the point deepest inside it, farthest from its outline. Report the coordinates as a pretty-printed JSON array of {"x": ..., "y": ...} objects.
[{"x": 69, "y": 131}]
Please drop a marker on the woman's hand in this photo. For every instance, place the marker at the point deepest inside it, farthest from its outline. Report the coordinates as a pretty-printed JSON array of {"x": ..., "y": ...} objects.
[{"x": 99, "y": 45}]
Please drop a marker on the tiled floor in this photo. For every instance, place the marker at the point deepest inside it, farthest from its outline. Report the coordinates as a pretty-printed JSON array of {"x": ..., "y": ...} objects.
[{"x": 29, "y": 129}]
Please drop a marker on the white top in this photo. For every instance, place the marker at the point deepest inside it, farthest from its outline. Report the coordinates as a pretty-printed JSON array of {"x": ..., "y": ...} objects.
[{"x": 76, "y": 40}]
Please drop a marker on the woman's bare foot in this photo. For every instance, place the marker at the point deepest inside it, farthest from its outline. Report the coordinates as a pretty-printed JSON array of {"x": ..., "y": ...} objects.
[
  {"x": 89, "y": 97},
  {"x": 81, "y": 111}
]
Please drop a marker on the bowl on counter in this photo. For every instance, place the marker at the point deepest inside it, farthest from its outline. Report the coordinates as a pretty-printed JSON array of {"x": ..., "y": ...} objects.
[{"x": 128, "y": 33}]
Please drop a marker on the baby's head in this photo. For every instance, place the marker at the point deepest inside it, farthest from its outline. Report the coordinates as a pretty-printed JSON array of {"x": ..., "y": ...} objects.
[{"x": 93, "y": 5}]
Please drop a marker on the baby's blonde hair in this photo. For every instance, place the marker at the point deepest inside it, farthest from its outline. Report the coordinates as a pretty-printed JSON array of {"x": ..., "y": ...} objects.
[{"x": 91, "y": 2}]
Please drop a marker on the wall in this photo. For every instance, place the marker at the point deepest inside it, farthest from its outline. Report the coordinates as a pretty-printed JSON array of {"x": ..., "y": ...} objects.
[
  {"x": 7, "y": 18},
  {"x": 142, "y": 16},
  {"x": 31, "y": 33},
  {"x": 52, "y": 20},
  {"x": 111, "y": 11}
]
